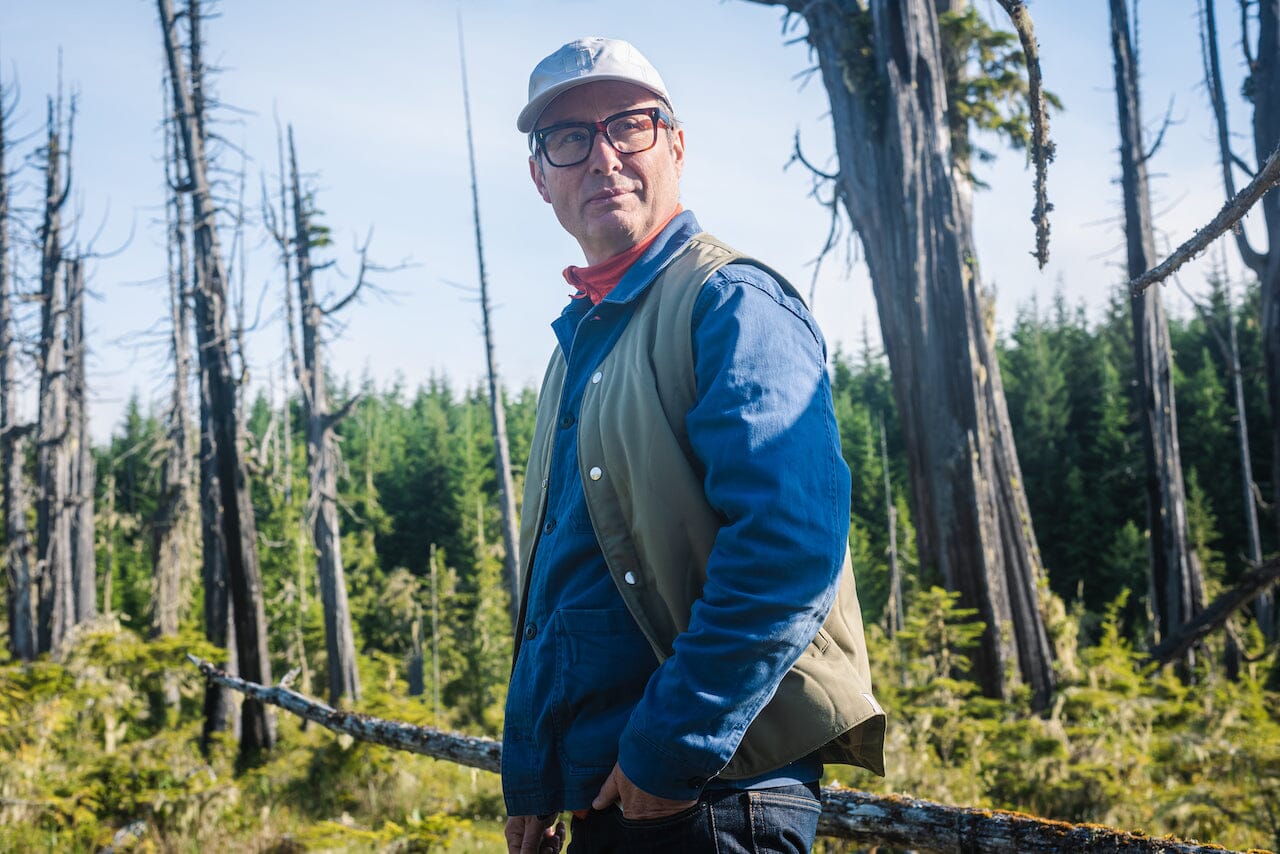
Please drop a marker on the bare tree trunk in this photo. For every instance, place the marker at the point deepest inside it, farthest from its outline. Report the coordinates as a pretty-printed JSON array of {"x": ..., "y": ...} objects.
[
  {"x": 414, "y": 670},
  {"x": 80, "y": 450},
  {"x": 1266, "y": 139},
  {"x": 889, "y": 112},
  {"x": 56, "y": 607},
  {"x": 435, "y": 639},
  {"x": 109, "y": 521},
  {"x": 1264, "y": 64},
  {"x": 497, "y": 410},
  {"x": 169, "y": 525},
  {"x": 17, "y": 544},
  {"x": 322, "y": 461},
  {"x": 895, "y": 608},
  {"x": 218, "y": 619},
  {"x": 1177, "y": 579},
  {"x": 1246, "y": 462},
  {"x": 257, "y": 730}
]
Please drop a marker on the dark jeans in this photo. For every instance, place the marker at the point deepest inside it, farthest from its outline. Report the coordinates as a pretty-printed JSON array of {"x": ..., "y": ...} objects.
[{"x": 783, "y": 820}]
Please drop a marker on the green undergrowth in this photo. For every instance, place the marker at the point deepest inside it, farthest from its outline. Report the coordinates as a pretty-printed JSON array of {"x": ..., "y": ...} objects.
[
  {"x": 1121, "y": 744},
  {"x": 92, "y": 755}
]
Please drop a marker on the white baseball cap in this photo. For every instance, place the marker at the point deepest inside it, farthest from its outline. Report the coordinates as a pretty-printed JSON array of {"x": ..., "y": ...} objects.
[{"x": 587, "y": 60}]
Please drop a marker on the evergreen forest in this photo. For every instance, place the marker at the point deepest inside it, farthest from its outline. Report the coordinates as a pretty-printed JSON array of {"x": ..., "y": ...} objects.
[{"x": 351, "y": 537}]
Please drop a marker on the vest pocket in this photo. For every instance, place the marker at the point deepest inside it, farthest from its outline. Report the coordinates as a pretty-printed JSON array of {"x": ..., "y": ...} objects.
[{"x": 603, "y": 663}]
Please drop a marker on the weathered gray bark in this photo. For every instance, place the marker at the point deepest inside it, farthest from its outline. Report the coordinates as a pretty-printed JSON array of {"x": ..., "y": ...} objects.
[
  {"x": 1266, "y": 140},
  {"x": 322, "y": 457},
  {"x": 883, "y": 69},
  {"x": 1264, "y": 85},
  {"x": 79, "y": 450},
  {"x": 869, "y": 819},
  {"x": 1177, "y": 580},
  {"x": 17, "y": 543},
  {"x": 1227, "y": 219},
  {"x": 170, "y": 523},
  {"x": 56, "y": 607},
  {"x": 237, "y": 522},
  {"x": 1183, "y": 638},
  {"x": 497, "y": 410}
]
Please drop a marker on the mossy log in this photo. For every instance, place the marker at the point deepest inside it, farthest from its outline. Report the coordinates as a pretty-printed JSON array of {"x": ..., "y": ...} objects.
[{"x": 866, "y": 818}]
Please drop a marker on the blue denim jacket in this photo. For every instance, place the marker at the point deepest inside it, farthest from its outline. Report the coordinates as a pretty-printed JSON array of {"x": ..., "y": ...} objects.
[{"x": 764, "y": 407}]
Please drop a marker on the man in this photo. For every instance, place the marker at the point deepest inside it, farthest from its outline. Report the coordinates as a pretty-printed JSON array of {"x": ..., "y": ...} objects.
[{"x": 689, "y": 651}]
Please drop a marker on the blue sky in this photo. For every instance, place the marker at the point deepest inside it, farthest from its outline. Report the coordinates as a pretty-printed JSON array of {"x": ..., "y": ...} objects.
[{"x": 373, "y": 91}]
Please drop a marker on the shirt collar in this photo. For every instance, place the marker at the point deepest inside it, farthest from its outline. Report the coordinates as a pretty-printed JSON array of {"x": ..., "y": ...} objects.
[{"x": 635, "y": 281}]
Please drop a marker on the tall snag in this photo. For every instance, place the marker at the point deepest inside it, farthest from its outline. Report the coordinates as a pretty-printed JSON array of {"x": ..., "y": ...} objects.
[
  {"x": 322, "y": 449},
  {"x": 170, "y": 522},
  {"x": 1263, "y": 89},
  {"x": 213, "y": 338},
  {"x": 1177, "y": 580},
  {"x": 883, "y": 65},
  {"x": 17, "y": 543},
  {"x": 497, "y": 410},
  {"x": 56, "y": 609},
  {"x": 79, "y": 450}
]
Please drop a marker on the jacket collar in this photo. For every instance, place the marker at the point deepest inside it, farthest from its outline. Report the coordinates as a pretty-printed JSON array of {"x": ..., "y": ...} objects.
[
  {"x": 647, "y": 267},
  {"x": 635, "y": 281}
]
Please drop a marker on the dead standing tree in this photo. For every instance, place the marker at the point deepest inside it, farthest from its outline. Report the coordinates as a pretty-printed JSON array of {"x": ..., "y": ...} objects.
[
  {"x": 56, "y": 606},
  {"x": 171, "y": 522},
  {"x": 219, "y": 616},
  {"x": 175, "y": 479},
  {"x": 497, "y": 411},
  {"x": 213, "y": 338},
  {"x": 1263, "y": 89},
  {"x": 322, "y": 445},
  {"x": 883, "y": 66},
  {"x": 17, "y": 543},
  {"x": 1177, "y": 580},
  {"x": 79, "y": 449}
]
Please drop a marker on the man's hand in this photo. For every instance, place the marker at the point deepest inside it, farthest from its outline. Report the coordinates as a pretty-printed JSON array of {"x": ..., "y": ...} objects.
[
  {"x": 529, "y": 834},
  {"x": 636, "y": 802}
]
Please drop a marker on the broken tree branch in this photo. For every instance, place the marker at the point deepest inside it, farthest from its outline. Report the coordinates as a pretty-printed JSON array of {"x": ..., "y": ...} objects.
[
  {"x": 870, "y": 819},
  {"x": 1253, "y": 259},
  {"x": 1232, "y": 212},
  {"x": 1042, "y": 148},
  {"x": 1250, "y": 584}
]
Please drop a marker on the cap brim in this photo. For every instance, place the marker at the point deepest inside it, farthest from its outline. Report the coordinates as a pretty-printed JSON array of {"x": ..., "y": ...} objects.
[{"x": 533, "y": 110}]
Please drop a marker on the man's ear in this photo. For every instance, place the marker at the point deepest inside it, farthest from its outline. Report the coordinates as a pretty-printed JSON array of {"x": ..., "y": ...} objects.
[
  {"x": 677, "y": 149},
  {"x": 539, "y": 178}
]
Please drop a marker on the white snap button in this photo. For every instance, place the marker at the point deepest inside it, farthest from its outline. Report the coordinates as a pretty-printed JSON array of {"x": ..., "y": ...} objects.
[
  {"x": 596, "y": 377},
  {"x": 630, "y": 578},
  {"x": 595, "y": 473}
]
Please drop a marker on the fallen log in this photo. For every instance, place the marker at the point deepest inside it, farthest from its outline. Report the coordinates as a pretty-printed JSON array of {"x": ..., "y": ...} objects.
[
  {"x": 1252, "y": 582},
  {"x": 864, "y": 817},
  {"x": 900, "y": 822},
  {"x": 482, "y": 753}
]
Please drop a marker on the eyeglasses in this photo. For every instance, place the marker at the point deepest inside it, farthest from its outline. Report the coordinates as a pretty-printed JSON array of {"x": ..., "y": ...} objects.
[{"x": 629, "y": 132}]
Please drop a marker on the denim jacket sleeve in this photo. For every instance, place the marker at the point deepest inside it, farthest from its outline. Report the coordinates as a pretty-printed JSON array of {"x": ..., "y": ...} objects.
[{"x": 763, "y": 429}]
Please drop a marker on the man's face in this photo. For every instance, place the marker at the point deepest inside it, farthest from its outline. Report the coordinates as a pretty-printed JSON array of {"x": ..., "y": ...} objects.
[{"x": 610, "y": 201}]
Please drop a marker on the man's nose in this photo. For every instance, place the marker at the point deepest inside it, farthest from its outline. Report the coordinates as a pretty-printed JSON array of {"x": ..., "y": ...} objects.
[{"x": 603, "y": 157}]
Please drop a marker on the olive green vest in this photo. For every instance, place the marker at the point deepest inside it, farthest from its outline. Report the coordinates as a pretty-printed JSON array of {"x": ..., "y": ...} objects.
[{"x": 656, "y": 529}]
